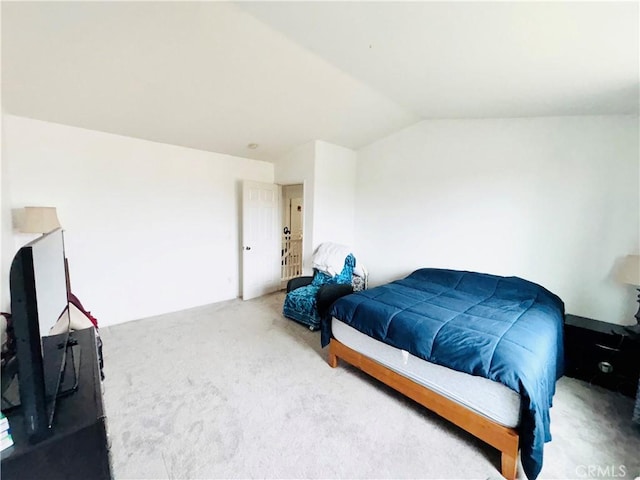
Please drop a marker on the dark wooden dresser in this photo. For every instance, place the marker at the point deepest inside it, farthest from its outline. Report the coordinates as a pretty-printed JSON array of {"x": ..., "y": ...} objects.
[{"x": 77, "y": 447}]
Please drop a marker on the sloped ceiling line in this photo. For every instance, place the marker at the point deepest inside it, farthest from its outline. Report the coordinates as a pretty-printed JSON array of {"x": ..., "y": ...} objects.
[{"x": 219, "y": 76}]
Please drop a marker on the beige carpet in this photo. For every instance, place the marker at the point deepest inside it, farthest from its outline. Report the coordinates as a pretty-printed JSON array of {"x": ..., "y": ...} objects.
[{"x": 235, "y": 390}]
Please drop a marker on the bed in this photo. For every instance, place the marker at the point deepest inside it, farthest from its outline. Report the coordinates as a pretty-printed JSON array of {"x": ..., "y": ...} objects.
[{"x": 482, "y": 351}]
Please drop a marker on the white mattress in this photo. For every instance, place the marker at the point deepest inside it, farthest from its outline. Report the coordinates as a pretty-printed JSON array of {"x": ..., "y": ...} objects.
[{"x": 490, "y": 399}]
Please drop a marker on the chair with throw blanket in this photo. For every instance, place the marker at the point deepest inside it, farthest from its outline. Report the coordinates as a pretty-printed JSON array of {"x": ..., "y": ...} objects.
[{"x": 309, "y": 298}]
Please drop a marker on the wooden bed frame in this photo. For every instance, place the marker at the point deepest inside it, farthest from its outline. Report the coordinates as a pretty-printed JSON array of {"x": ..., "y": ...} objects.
[{"x": 503, "y": 438}]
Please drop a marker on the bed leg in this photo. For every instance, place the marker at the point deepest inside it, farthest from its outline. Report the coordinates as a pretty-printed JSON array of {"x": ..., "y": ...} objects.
[
  {"x": 332, "y": 359},
  {"x": 509, "y": 465}
]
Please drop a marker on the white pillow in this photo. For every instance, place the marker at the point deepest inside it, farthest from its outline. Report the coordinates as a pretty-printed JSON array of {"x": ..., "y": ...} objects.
[{"x": 329, "y": 257}]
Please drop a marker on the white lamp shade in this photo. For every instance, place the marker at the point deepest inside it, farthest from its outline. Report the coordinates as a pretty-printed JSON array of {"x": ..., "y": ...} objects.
[
  {"x": 39, "y": 220},
  {"x": 629, "y": 271}
]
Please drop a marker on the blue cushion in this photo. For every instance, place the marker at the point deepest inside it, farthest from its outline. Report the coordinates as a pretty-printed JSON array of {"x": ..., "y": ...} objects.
[
  {"x": 300, "y": 304},
  {"x": 320, "y": 278},
  {"x": 346, "y": 275}
]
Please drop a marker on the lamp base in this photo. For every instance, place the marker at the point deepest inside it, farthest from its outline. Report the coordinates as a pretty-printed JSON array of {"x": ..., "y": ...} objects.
[{"x": 634, "y": 330}]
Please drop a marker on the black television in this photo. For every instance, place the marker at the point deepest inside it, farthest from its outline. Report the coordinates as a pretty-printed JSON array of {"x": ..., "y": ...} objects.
[{"x": 39, "y": 299}]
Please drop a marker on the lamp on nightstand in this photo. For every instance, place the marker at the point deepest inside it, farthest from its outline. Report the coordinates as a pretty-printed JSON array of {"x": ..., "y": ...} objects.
[{"x": 629, "y": 273}]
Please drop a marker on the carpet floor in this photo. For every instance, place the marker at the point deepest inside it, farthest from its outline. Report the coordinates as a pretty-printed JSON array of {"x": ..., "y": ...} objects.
[{"x": 235, "y": 390}]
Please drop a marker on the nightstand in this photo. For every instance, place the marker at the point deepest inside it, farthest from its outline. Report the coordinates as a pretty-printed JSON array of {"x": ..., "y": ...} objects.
[{"x": 601, "y": 353}]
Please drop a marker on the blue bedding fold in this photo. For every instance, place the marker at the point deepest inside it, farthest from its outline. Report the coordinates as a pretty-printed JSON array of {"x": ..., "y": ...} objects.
[{"x": 503, "y": 328}]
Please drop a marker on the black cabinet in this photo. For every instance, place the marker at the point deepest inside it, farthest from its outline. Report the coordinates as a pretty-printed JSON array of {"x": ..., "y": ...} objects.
[
  {"x": 602, "y": 353},
  {"x": 77, "y": 447}
]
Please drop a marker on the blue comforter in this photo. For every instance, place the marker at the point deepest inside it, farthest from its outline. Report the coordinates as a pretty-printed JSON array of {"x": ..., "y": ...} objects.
[{"x": 503, "y": 328}]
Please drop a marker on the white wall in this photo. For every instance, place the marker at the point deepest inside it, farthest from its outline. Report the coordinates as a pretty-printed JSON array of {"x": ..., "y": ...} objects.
[
  {"x": 295, "y": 167},
  {"x": 150, "y": 228},
  {"x": 553, "y": 200},
  {"x": 328, "y": 173},
  {"x": 7, "y": 248},
  {"x": 335, "y": 181},
  {"x": 6, "y": 243}
]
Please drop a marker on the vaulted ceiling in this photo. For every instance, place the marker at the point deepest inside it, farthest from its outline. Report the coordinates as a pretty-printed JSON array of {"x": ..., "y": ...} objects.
[{"x": 219, "y": 76}]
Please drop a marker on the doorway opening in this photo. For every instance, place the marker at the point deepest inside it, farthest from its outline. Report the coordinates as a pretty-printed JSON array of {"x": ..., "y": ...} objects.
[{"x": 292, "y": 228}]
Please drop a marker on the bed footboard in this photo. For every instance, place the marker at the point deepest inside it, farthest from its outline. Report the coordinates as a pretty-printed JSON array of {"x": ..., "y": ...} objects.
[{"x": 498, "y": 436}]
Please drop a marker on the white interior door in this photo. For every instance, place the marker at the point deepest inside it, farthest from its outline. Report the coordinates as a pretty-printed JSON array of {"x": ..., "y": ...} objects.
[{"x": 260, "y": 239}]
